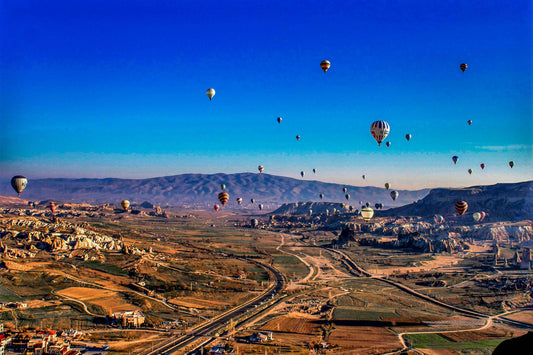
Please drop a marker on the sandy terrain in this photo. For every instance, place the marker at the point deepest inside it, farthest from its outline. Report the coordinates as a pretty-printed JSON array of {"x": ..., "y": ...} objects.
[
  {"x": 440, "y": 262},
  {"x": 524, "y": 316},
  {"x": 367, "y": 340},
  {"x": 110, "y": 301}
]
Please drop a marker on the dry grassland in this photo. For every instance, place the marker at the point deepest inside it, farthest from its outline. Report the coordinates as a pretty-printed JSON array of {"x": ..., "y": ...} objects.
[
  {"x": 294, "y": 322},
  {"x": 108, "y": 300}
]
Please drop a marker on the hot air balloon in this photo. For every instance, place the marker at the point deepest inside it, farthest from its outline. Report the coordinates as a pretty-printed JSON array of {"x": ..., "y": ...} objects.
[
  {"x": 477, "y": 216},
  {"x": 223, "y": 197},
  {"x": 376, "y": 205},
  {"x": 297, "y": 138},
  {"x": 52, "y": 207},
  {"x": 260, "y": 168},
  {"x": 394, "y": 194},
  {"x": 260, "y": 207},
  {"x": 239, "y": 200},
  {"x": 302, "y": 173},
  {"x": 321, "y": 196},
  {"x": 408, "y": 137},
  {"x": 357, "y": 212},
  {"x": 380, "y": 130},
  {"x": 310, "y": 212},
  {"x": 387, "y": 144},
  {"x": 210, "y": 93},
  {"x": 125, "y": 204},
  {"x": 469, "y": 122},
  {"x": 454, "y": 159},
  {"x": 461, "y": 207},
  {"x": 314, "y": 171},
  {"x": 367, "y": 204},
  {"x": 463, "y": 67},
  {"x": 344, "y": 189},
  {"x": 19, "y": 183},
  {"x": 252, "y": 200},
  {"x": 387, "y": 185},
  {"x": 364, "y": 177},
  {"x": 217, "y": 207},
  {"x": 254, "y": 223},
  {"x": 439, "y": 219},
  {"x": 511, "y": 164},
  {"x": 325, "y": 64},
  {"x": 367, "y": 213},
  {"x": 483, "y": 215},
  {"x": 482, "y": 166},
  {"x": 279, "y": 119},
  {"x": 470, "y": 171},
  {"x": 347, "y": 196}
]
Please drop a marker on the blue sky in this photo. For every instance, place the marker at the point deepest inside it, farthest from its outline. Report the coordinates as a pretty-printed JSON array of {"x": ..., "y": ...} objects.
[{"x": 117, "y": 89}]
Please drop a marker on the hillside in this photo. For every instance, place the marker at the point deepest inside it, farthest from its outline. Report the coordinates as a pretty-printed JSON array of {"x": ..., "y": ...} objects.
[
  {"x": 501, "y": 202},
  {"x": 201, "y": 190}
]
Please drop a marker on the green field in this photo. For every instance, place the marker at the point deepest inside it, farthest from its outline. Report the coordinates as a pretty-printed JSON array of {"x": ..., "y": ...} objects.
[{"x": 436, "y": 341}]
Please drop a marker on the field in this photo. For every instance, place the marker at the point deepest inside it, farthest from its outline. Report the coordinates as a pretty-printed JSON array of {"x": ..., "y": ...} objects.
[
  {"x": 107, "y": 300},
  {"x": 436, "y": 341}
]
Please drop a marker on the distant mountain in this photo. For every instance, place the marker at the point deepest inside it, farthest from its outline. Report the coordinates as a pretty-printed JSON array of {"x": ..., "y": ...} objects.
[
  {"x": 501, "y": 202},
  {"x": 201, "y": 190}
]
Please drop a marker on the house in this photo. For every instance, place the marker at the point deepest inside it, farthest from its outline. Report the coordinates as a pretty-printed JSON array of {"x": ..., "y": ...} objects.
[
  {"x": 129, "y": 319},
  {"x": 4, "y": 340},
  {"x": 261, "y": 337}
]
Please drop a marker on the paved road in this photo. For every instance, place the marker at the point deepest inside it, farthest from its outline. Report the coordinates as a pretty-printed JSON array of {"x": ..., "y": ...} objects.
[{"x": 173, "y": 345}]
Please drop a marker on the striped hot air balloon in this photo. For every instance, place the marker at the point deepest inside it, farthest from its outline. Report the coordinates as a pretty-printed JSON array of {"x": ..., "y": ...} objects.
[
  {"x": 223, "y": 197},
  {"x": 325, "y": 65},
  {"x": 19, "y": 183},
  {"x": 461, "y": 207},
  {"x": 367, "y": 213},
  {"x": 463, "y": 67},
  {"x": 260, "y": 168},
  {"x": 125, "y": 204},
  {"x": 380, "y": 130}
]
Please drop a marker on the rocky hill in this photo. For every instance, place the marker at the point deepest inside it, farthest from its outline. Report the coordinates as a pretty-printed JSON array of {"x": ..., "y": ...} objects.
[
  {"x": 201, "y": 190},
  {"x": 501, "y": 202}
]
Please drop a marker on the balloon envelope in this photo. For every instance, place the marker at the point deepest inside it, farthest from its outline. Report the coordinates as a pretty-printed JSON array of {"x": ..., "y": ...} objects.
[
  {"x": 280, "y": 119},
  {"x": 217, "y": 207},
  {"x": 367, "y": 213},
  {"x": 477, "y": 216},
  {"x": 463, "y": 67},
  {"x": 511, "y": 164},
  {"x": 387, "y": 185},
  {"x": 19, "y": 183},
  {"x": 408, "y": 137},
  {"x": 455, "y": 158},
  {"x": 347, "y": 196},
  {"x": 210, "y": 93},
  {"x": 125, "y": 204},
  {"x": 379, "y": 130},
  {"x": 394, "y": 195},
  {"x": 387, "y": 144},
  {"x": 325, "y": 65},
  {"x": 461, "y": 207},
  {"x": 223, "y": 197}
]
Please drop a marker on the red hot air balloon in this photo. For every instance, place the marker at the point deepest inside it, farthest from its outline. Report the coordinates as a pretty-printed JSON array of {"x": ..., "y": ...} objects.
[
  {"x": 217, "y": 207},
  {"x": 482, "y": 166},
  {"x": 52, "y": 207}
]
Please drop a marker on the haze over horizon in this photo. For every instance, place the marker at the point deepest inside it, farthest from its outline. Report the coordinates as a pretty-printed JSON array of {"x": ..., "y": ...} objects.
[{"x": 101, "y": 90}]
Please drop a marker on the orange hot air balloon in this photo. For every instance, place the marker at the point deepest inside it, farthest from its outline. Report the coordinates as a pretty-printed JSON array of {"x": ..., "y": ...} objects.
[
  {"x": 125, "y": 204},
  {"x": 52, "y": 207},
  {"x": 260, "y": 168},
  {"x": 461, "y": 207},
  {"x": 223, "y": 197},
  {"x": 325, "y": 65}
]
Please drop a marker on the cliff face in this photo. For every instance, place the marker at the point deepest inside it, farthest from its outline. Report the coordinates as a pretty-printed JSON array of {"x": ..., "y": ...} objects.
[{"x": 501, "y": 202}]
